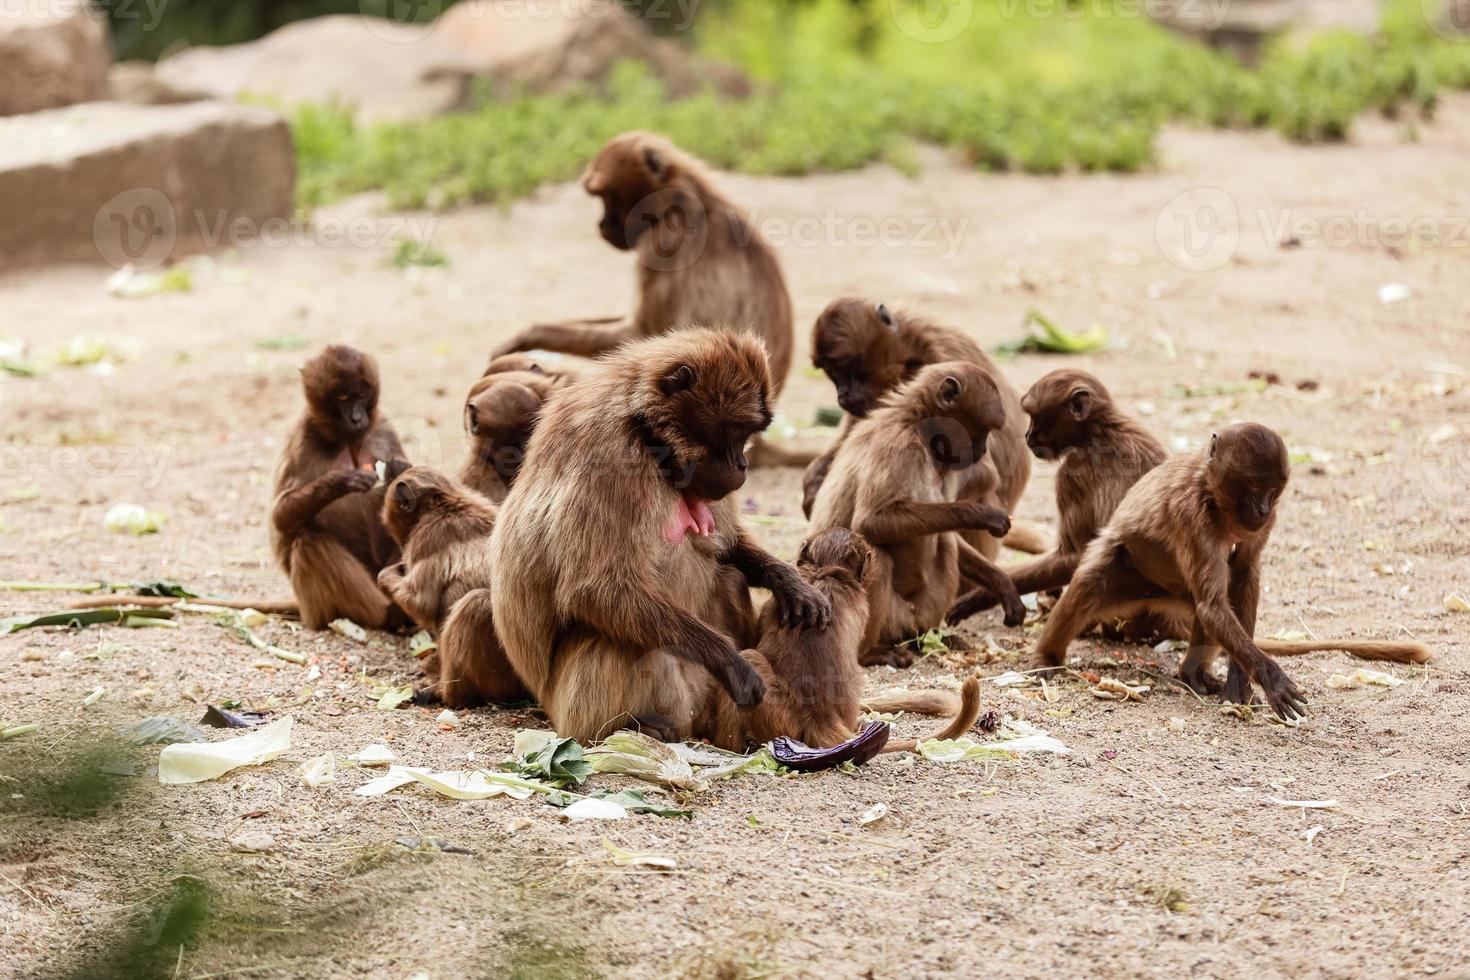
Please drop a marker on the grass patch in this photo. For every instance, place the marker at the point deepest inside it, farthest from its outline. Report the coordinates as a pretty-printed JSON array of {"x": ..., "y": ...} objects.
[{"x": 844, "y": 85}]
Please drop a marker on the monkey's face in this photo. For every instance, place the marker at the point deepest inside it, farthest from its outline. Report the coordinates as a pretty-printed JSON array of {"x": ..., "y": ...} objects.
[
  {"x": 857, "y": 345},
  {"x": 341, "y": 386},
  {"x": 1248, "y": 471},
  {"x": 960, "y": 406},
  {"x": 710, "y": 402},
  {"x": 500, "y": 420},
  {"x": 1060, "y": 406},
  {"x": 627, "y": 175}
]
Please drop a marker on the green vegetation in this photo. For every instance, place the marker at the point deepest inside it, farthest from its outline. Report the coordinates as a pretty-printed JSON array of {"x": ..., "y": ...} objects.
[{"x": 844, "y": 85}]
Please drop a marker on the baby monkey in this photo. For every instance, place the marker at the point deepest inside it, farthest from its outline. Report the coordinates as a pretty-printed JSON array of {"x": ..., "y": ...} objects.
[
  {"x": 1103, "y": 454},
  {"x": 814, "y": 686},
  {"x": 1187, "y": 539}
]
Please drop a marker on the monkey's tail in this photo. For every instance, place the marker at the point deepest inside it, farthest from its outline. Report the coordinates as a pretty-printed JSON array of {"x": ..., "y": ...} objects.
[
  {"x": 764, "y": 453},
  {"x": 279, "y": 607},
  {"x": 963, "y": 708},
  {"x": 1027, "y": 536},
  {"x": 1406, "y": 652}
]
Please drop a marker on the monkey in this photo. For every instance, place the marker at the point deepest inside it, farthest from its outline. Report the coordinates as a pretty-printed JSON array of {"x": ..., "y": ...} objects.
[
  {"x": 1186, "y": 541},
  {"x": 1103, "y": 453},
  {"x": 611, "y": 553},
  {"x": 867, "y": 350},
  {"x": 500, "y": 412},
  {"x": 701, "y": 261},
  {"x": 326, "y": 528},
  {"x": 898, "y": 480},
  {"x": 814, "y": 685},
  {"x": 443, "y": 582}
]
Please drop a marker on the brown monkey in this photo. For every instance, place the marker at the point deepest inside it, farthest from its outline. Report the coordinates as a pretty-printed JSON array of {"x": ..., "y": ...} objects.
[
  {"x": 814, "y": 685},
  {"x": 1103, "y": 453},
  {"x": 868, "y": 350},
  {"x": 701, "y": 262},
  {"x": 1186, "y": 542},
  {"x": 500, "y": 412},
  {"x": 613, "y": 551},
  {"x": 443, "y": 582},
  {"x": 326, "y": 528},
  {"x": 898, "y": 480},
  {"x": 1188, "y": 538}
]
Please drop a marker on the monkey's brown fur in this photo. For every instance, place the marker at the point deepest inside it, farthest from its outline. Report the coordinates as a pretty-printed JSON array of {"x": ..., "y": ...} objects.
[
  {"x": 898, "y": 480},
  {"x": 701, "y": 262},
  {"x": 613, "y": 551},
  {"x": 443, "y": 582},
  {"x": 326, "y": 529},
  {"x": 1188, "y": 539},
  {"x": 1103, "y": 453},
  {"x": 867, "y": 350},
  {"x": 500, "y": 412},
  {"x": 814, "y": 685}
]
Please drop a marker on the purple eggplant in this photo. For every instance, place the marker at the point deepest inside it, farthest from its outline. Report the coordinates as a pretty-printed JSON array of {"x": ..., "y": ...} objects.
[{"x": 859, "y": 749}]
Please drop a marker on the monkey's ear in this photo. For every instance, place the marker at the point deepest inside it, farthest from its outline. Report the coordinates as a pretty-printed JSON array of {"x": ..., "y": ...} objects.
[
  {"x": 471, "y": 419},
  {"x": 655, "y": 164},
  {"x": 536, "y": 368},
  {"x": 1080, "y": 403},
  {"x": 1214, "y": 442},
  {"x": 949, "y": 390},
  {"x": 805, "y": 554},
  {"x": 681, "y": 378},
  {"x": 404, "y": 496},
  {"x": 885, "y": 317}
]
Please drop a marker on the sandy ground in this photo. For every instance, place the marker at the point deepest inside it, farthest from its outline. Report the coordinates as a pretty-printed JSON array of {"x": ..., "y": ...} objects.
[{"x": 1150, "y": 850}]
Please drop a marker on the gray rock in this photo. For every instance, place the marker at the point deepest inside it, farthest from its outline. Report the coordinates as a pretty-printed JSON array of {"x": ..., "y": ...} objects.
[
  {"x": 384, "y": 69},
  {"x": 139, "y": 185},
  {"x": 52, "y": 53}
]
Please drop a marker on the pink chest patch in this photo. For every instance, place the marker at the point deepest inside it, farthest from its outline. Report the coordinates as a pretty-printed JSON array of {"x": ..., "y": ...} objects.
[{"x": 690, "y": 514}]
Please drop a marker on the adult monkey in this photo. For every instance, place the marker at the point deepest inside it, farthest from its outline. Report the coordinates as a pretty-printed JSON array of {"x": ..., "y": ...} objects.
[
  {"x": 701, "y": 262},
  {"x": 326, "y": 525},
  {"x": 868, "y": 350},
  {"x": 611, "y": 553}
]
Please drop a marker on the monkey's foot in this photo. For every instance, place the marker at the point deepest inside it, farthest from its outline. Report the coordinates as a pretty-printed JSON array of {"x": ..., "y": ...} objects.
[
  {"x": 1201, "y": 680},
  {"x": 895, "y": 656}
]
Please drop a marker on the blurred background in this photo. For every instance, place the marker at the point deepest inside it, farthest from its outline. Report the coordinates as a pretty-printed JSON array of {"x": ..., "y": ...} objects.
[{"x": 440, "y": 103}]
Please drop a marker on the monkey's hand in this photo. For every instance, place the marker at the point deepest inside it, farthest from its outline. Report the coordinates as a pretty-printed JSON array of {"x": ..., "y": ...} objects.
[
  {"x": 353, "y": 481},
  {"x": 741, "y": 681},
  {"x": 1014, "y": 608},
  {"x": 798, "y": 604},
  {"x": 391, "y": 575},
  {"x": 992, "y": 519},
  {"x": 972, "y": 602},
  {"x": 1284, "y": 697}
]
